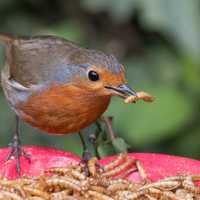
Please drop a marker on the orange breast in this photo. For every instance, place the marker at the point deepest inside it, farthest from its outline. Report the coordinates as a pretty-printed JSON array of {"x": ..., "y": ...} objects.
[{"x": 63, "y": 109}]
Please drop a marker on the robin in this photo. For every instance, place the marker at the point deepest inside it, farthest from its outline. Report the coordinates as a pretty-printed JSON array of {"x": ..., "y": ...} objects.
[{"x": 57, "y": 86}]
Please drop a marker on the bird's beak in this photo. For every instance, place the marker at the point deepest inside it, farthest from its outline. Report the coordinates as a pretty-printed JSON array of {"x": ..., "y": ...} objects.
[{"x": 122, "y": 90}]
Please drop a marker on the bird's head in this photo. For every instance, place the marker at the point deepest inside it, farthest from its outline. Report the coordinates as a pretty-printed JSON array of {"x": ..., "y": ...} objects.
[{"x": 102, "y": 74}]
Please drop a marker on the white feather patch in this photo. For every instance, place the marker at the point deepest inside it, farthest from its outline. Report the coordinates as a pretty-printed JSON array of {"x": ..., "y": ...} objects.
[{"x": 17, "y": 85}]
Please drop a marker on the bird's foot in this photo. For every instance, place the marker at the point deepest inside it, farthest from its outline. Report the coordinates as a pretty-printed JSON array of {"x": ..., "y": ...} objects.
[
  {"x": 87, "y": 155},
  {"x": 17, "y": 151},
  {"x": 84, "y": 161},
  {"x": 90, "y": 164}
]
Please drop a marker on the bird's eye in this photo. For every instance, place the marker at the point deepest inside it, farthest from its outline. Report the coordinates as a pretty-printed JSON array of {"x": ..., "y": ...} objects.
[{"x": 93, "y": 76}]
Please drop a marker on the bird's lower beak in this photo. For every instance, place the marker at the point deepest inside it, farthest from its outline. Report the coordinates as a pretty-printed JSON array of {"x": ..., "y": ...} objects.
[{"x": 122, "y": 90}]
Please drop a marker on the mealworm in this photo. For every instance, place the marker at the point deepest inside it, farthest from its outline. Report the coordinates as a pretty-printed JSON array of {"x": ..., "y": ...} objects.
[{"x": 118, "y": 169}]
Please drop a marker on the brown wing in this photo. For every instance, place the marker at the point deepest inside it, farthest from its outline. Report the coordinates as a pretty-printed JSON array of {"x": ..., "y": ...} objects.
[{"x": 33, "y": 60}]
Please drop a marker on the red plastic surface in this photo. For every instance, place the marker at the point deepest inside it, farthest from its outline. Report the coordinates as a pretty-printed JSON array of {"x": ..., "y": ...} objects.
[
  {"x": 40, "y": 158},
  {"x": 157, "y": 166}
]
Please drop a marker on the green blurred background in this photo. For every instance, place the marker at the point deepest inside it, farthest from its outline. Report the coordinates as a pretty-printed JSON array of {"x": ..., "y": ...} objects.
[{"x": 159, "y": 43}]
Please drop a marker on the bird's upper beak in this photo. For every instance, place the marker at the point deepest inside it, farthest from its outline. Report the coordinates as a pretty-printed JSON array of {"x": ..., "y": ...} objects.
[{"x": 122, "y": 90}]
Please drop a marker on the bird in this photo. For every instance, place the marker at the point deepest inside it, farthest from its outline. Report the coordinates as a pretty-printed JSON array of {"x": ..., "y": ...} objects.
[{"x": 57, "y": 86}]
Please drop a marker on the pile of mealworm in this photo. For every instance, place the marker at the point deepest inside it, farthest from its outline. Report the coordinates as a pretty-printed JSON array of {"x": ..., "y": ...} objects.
[{"x": 92, "y": 181}]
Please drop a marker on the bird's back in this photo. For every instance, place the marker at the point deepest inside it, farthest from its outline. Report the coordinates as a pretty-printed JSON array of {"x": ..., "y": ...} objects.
[{"x": 33, "y": 60}]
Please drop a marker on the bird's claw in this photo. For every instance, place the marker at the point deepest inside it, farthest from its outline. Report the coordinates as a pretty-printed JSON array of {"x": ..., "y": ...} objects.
[{"x": 17, "y": 151}]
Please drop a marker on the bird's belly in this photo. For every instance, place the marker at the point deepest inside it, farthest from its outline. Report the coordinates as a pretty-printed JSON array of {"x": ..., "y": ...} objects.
[{"x": 57, "y": 113}]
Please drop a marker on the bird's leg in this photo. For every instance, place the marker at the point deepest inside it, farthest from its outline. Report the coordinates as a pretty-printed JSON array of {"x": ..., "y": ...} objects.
[
  {"x": 93, "y": 138},
  {"x": 16, "y": 148},
  {"x": 108, "y": 121},
  {"x": 86, "y": 156},
  {"x": 86, "y": 153}
]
